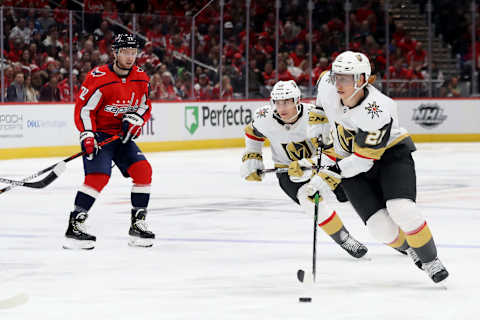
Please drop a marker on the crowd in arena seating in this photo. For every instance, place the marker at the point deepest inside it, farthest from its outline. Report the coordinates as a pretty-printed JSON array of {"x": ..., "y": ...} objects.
[{"x": 37, "y": 52}]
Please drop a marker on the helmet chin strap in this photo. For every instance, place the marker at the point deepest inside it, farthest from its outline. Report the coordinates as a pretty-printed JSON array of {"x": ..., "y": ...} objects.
[{"x": 357, "y": 89}]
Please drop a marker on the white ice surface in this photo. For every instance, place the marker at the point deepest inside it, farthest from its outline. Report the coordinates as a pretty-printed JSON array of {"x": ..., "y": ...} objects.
[{"x": 229, "y": 249}]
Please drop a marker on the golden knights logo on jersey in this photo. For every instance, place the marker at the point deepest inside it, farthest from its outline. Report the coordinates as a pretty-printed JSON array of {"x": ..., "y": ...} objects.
[
  {"x": 298, "y": 150},
  {"x": 345, "y": 137}
]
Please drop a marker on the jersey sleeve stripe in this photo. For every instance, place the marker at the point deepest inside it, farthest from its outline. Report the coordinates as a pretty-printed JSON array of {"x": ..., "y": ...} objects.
[
  {"x": 252, "y": 133},
  {"x": 254, "y": 138},
  {"x": 142, "y": 108},
  {"x": 88, "y": 107}
]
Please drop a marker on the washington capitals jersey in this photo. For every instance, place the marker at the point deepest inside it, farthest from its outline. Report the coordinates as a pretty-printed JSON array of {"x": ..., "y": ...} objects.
[
  {"x": 105, "y": 97},
  {"x": 367, "y": 129},
  {"x": 288, "y": 142}
]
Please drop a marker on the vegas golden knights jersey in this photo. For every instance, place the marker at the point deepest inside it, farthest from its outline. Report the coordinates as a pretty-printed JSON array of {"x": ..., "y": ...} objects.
[
  {"x": 367, "y": 129},
  {"x": 288, "y": 142}
]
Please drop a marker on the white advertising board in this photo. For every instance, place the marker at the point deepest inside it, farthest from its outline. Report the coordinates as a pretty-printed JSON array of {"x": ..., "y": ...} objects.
[
  {"x": 39, "y": 125},
  {"x": 35, "y": 125}
]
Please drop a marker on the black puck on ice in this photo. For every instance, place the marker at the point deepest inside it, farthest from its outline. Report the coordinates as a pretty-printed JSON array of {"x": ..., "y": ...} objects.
[
  {"x": 300, "y": 275},
  {"x": 304, "y": 299}
]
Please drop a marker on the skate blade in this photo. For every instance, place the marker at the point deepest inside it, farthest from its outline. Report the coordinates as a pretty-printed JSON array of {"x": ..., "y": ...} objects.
[
  {"x": 140, "y": 242},
  {"x": 72, "y": 244}
]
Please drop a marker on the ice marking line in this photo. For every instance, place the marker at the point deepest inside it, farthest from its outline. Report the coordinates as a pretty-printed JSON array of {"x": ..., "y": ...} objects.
[{"x": 446, "y": 245}]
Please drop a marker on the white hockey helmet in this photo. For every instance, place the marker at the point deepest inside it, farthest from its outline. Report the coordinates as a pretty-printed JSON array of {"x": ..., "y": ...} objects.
[
  {"x": 349, "y": 62},
  {"x": 283, "y": 90}
]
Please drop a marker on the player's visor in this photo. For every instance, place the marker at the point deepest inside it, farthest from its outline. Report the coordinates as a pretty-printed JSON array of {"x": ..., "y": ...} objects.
[
  {"x": 128, "y": 51},
  {"x": 342, "y": 79}
]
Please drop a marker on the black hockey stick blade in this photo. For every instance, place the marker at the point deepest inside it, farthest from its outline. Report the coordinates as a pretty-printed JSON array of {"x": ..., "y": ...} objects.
[
  {"x": 56, "y": 172},
  {"x": 50, "y": 177}
]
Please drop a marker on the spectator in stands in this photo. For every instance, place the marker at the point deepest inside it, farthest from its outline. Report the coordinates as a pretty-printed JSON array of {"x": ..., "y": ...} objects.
[
  {"x": 21, "y": 31},
  {"x": 451, "y": 89},
  {"x": 417, "y": 55},
  {"x": 31, "y": 94},
  {"x": 254, "y": 79},
  {"x": 16, "y": 91},
  {"x": 169, "y": 90},
  {"x": 49, "y": 91},
  {"x": 45, "y": 21},
  {"x": 227, "y": 89},
  {"x": 268, "y": 75},
  {"x": 203, "y": 89},
  {"x": 283, "y": 73}
]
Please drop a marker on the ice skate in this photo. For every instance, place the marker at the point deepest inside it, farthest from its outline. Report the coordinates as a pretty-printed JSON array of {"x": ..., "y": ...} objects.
[
  {"x": 76, "y": 234},
  {"x": 353, "y": 247},
  {"x": 435, "y": 270},
  {"x": 140, "y": 236},
  {"x": 413, "y": 255}
]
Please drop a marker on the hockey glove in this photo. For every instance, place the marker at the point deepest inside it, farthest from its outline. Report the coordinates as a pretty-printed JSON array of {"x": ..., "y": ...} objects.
[
  {"x": 251, "y": 166},
  {"x": 131, "y": 126},
  {"x": 89, "y": 144},
  {"x": 301, "y": 170},
  {"x": 325, "y": 181}
]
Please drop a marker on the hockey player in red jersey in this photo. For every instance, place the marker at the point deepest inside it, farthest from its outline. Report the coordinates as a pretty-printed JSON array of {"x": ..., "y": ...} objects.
[{"x": 113, "y": 100}]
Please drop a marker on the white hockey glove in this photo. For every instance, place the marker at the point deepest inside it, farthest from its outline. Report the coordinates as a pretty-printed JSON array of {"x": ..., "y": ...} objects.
[
  {"x": 325, "y": 181},
  {"x": 297, "y": 174},
  {"x": 131, "y": 126},
  {"x": 89, "y": 144},
  {"x": 252, "y": 163}
]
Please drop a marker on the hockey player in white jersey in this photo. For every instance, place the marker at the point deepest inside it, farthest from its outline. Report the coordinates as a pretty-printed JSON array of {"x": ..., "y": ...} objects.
[
  {"x": 284, "y": 122},
  {"x": 376, "y": 166}
]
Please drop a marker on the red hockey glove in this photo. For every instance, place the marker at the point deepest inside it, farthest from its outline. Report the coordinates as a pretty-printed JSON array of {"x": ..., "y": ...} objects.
[
  {"x": 131, "y": 126},
  {"x": 89, "y": 144}
]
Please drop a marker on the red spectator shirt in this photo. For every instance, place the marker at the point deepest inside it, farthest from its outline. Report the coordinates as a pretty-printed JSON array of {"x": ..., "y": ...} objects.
[{"x": 105, "y": 97}]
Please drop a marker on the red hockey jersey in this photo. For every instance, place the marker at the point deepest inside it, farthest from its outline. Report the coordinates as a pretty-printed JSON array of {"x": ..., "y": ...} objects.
[{"x": 105, "y": 97}]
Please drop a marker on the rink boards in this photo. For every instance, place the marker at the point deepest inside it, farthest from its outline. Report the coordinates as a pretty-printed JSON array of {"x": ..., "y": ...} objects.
[{"x": 45, "y": 130}]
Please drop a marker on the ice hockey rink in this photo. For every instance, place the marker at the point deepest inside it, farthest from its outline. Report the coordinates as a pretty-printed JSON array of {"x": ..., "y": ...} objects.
[{"x": 229, "y": 249}]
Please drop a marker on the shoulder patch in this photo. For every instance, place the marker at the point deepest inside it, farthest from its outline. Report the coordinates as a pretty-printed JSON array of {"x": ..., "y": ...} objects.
[
  {"x": 261, "y": 113},
  {"x": 97, "y": 73},
  {"x": 373, "y": 109}
]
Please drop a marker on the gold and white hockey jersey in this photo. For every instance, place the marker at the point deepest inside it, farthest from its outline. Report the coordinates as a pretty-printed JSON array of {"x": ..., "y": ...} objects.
[
  {"x": 365, "y": 130},
  {"x": 288, "y": 142}
]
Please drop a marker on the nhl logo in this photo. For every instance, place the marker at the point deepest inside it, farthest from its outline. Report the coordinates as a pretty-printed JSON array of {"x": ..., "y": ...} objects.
[{"x": 428, "y": 115}]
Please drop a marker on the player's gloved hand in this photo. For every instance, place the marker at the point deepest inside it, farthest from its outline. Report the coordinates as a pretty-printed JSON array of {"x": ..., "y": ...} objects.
[
  {"x": 325, "y": 181},
  {"x": 251, "y": 166},
  {"x": 89, "y": 144},
  {"x": 301, "y": 170},
  {"x": 131, "y": 126}
]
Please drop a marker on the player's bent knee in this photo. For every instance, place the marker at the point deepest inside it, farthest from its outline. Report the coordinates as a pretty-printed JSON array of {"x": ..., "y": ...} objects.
[
  {"x": 382, "y": 227},
  {"x": 96, "y": 181},
  {"x": 141, "y": 172},
  {"x": 405, "y": 213}
]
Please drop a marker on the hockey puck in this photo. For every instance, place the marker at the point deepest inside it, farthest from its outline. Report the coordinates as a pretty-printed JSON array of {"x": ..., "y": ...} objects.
[
  {"x": 300, "y": 275},
  {"x": 305, "y": 299}
]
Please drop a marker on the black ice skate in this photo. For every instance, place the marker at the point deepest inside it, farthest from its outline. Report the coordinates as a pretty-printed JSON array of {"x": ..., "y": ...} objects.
[
  {"x": 353, "y": 247},
  {"x": 77, "y": 237},
  {"x": 140, "y": 236},
  {"x": 413, "y": 255},
  {"x": 435, "y": 270}
]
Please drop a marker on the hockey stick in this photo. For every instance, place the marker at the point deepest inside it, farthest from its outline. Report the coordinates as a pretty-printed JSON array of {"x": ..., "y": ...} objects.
[
  {"x": 57, "y": 168},
  {"x": 315, "y": 221},
  {"x": 315, "y": 217},
  {"x": 282, "y": 170}
]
